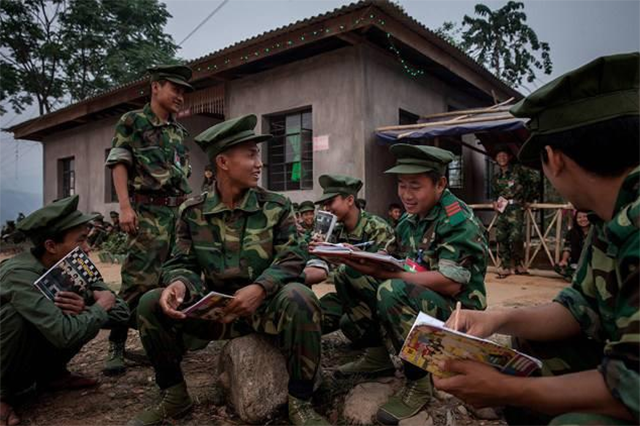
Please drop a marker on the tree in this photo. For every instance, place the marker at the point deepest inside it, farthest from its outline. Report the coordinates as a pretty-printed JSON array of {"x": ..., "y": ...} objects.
[
  {"x": 55, "y": 50},
  {"x": 502, "y": 41}
]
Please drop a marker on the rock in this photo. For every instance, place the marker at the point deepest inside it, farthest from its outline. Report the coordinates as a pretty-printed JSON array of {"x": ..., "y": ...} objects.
[
  {"x": 451, "y": 421},
  {"x": 486, "y": 413},
  {"x": 462, "y": 410},
  {"x": 255, "y": 377},
  {"x": 420, "y": 419},
  {"x": 363, "y": 401},
  {"x": 442, "y": 396}
]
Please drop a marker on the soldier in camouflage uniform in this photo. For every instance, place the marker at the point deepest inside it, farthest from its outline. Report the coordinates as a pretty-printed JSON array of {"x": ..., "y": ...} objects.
[
  {"x": 446, "y": 246},
  {"x": 307, "y": 212},
  {"x": 243, "y": 241},
  {"x": 352, "y": 308},
  {"x": 150, "y": 167},
  {"x": 518, "y": 185},
  {"x": 39, "y": 336},
  {"x": 584, "y": 128}
]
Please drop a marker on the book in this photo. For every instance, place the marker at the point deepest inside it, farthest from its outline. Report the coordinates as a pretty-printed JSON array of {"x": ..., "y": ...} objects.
[
  {"x": 210, "y": 307},
  {"x": 75, "y": 272},
  {"x": 337, "y": 251},
  {"x": 429, "y": 341},
  {"x": 501, "y": 204},
  {"x": 324, "y": 225}
]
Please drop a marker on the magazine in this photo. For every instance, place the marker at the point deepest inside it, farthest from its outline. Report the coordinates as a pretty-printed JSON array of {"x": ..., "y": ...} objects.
[
  {"x": 325, "y": 223},
  {"x": 75, "y": 272},
  {"x": 429, "y": 341},
  {"x": 210, "y": 307},
  {"x": 501, "y": 204},
  {"x": 336, "y": 251}
]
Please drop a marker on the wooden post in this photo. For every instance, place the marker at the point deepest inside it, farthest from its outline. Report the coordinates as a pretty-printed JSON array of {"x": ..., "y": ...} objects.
[
  {"x": 527, "y": 246},
  {"x": 558, "y": 234}
]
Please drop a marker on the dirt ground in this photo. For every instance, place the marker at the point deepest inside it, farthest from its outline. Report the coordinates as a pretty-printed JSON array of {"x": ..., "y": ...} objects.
[{"x": 117, "y": 399}]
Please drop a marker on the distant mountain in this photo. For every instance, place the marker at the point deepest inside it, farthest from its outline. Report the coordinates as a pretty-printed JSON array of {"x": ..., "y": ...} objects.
[{"x": 13, "y": 202}]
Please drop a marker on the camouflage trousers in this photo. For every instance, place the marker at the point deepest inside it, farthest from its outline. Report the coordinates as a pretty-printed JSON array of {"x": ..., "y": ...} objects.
[
  {"x": 27, "y": 358},
  {"x": 146, "y": 252},
  {"x": 509, "y": 235},
  {"x": 292, "y": 316},
  {"x": 399, "y": 304},
  {"x": 558, "y": 358},
  {"x": 352, "y": 308}
]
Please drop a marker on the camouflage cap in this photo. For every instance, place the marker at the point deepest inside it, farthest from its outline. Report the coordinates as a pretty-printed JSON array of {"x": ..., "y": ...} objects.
[
  {"x": 222, "y": 136},
  {"x": 334, "y": 185},
  {"x": 53, "y": 218},
  {"x": 411, "y": 159},
  {"x": 601, "y": 90},
  {"x": 307, "y": 206},
  {"x": 178, "y": 74}
]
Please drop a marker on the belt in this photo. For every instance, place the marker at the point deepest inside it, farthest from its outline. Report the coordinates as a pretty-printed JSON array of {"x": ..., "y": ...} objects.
[{"x": 158, "y": 201}]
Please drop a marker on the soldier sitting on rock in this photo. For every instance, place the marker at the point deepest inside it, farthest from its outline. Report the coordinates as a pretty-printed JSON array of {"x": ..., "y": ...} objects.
[{"x": 243, "y": 240}]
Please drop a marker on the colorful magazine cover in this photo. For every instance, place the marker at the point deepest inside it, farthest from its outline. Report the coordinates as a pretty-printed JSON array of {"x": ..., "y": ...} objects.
[
  {"x": 429, "y": 342},
  {"x": 334, "y": 252},
  {"x": 325, "y": 222},
  {"x": 210, "y": 307},
  {"x": 75, "y": 272}
]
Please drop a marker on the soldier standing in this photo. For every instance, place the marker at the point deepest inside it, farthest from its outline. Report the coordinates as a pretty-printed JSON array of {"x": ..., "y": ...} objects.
[
  {"x": 243, "y": 240},
  {"x": 517, "y": 185},
  {"x": 447, "y": 245},
  {"x": 150, "y": 167},
  {"x": 585, "y": 136}
]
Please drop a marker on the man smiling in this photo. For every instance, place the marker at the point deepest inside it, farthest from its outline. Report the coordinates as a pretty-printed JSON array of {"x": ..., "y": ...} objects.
[{"x": 447, "y": 247}]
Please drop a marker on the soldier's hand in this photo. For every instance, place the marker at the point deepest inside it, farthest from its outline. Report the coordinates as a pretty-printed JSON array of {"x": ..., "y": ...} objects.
[
  {"x": 476, "y": 323},
  {"x": 104, "y": 298},
  {"x": 70, "y": 302},
  {"x": 245, "y": 302},
  {"x": 171, "y": 298},
  {"x": 129, "y": 221}
]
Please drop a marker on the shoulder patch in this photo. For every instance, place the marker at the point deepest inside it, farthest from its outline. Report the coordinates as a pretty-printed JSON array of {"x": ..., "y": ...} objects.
[{"x": 453, "y": 209}]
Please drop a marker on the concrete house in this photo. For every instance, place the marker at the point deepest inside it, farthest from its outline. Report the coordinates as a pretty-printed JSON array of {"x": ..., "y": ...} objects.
[{"x": 321, "y": 86}]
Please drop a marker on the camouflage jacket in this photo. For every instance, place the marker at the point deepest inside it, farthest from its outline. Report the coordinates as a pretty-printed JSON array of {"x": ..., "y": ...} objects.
[
  {"x": 517, "y": 183},
  {"x": 153, "y": 152},
  {"x": 256, "y": 243},
  {"x": 369, "y": 228},
  {"x": 18, "y": 294},
  {"x": 450, "y": 240},
  {"x": 604, "y": 294}
]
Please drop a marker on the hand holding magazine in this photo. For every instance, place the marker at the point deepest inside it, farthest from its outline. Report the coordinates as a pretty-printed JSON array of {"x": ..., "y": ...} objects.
[
  {"x": 210, "y": 307},
  {"x": 429, "y": 342},
  {"x": 334, "y": 252}
]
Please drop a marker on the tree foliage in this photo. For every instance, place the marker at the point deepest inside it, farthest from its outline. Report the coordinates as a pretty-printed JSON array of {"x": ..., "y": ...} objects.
[
  {"x": 502, "y": 41},
  {"x": 54, "y": 50}
]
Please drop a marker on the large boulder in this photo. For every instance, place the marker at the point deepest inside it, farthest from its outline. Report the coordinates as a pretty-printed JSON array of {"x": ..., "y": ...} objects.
[
  {"x": 255, "y": 377},
  {"x": 363, "y": 401}
]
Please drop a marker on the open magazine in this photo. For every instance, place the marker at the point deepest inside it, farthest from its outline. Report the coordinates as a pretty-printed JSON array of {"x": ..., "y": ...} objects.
[
  {"x": 75, "y": 272},
  {"x": 429, "y": 341},
  {"x": 210, "y": 307},
  {"x": 325, "y": 223},
  {"x": 336, "y": 251}
]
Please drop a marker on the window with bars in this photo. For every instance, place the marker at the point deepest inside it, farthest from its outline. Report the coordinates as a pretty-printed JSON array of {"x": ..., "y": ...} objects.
[
  {"x": 455, "y": 170},
  {"x": 67, "y": 182},
  {"x": 290, "y": 154},
  {"x": 110, "y": 195}
]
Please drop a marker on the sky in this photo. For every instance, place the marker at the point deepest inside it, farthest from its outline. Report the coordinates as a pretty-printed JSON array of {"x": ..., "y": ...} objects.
[{"x": 577, "y": 31}]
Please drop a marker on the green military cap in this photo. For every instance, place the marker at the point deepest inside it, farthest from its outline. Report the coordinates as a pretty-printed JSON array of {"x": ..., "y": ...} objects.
[
  {"x": 296, "y": 206},
  {"x": 338, "y": 185},
  {"x": 307, "y": 206},
  {"x": 114, "y": 213},
  {"x": 412, "y": 159},
  {"x": 601, "y": 90},
  {"x": 222, "y": 136},
  {"x": 54, "y": 218},
  {"x": 178, "y": 74}
]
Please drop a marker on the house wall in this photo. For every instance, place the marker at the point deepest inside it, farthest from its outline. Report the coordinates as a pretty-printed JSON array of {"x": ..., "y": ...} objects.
[
  {"x": 386, "y": 89},
  {"x": 88, "y": 144},
  {"x": 327, "y": 83}
]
